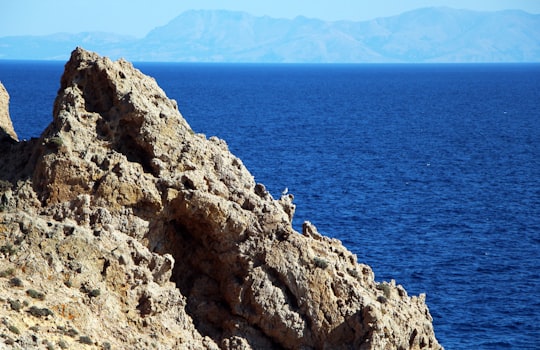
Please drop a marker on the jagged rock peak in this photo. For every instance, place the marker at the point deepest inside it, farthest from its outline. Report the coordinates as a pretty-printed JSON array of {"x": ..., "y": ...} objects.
[
  {"x": 120, "y": 196},
  {"x": 6, "y": 126}
]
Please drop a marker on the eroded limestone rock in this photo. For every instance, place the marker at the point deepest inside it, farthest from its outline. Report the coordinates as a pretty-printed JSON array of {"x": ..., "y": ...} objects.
[
  {"x": 187, "y": 251},
  {"x": 6, "y": 126}
]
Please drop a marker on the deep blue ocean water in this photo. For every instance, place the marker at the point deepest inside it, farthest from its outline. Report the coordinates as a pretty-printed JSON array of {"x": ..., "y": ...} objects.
[{"x": 429, "y": 173}]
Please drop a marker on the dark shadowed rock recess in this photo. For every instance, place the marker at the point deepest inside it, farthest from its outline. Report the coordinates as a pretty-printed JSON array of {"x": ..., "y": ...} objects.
[{"x": 121, "y": 228}]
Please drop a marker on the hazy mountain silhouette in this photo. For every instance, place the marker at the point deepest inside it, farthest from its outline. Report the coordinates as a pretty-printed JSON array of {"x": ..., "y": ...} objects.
[{"x": 424, "y": 35}]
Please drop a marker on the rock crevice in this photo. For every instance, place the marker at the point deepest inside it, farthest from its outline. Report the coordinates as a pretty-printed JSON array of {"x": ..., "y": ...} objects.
[{"x": 187, "y": 251}]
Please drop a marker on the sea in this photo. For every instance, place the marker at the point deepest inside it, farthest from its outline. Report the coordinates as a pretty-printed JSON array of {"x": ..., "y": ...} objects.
[{"x": 429, "y": 173}]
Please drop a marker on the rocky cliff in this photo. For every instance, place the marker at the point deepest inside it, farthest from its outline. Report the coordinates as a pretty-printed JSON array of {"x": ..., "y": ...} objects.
[
  {"x": 121, "y": 228},
  {"x": 6, "y": 127}
]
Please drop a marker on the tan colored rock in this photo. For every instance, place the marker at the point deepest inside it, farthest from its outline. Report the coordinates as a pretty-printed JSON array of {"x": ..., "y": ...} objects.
[
  {"x": 6, "y": 126},
  {"x": 186, "y": 250}
]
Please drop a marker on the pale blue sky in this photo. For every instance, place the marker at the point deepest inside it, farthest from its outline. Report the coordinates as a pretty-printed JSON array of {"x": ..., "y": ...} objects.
[{"x": 138, "y": 17}]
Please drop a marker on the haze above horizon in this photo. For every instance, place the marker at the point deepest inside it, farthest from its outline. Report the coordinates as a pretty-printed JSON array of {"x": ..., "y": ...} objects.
[{"x": 138, "y": 17}]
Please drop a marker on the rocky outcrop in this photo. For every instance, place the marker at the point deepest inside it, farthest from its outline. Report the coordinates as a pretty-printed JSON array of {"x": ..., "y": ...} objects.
[
  {"x": 6, "y": 127},
  {"x": 140, "y": 233}
]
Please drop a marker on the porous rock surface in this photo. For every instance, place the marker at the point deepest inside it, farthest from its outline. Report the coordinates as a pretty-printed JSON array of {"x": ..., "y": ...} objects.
[
  {"x": 121, "y": 228},
  {"x": 6, "y": 127}
]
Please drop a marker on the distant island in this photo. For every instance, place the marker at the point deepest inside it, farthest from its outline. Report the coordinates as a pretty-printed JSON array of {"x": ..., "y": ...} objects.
[{"x": 421, "y": 36}]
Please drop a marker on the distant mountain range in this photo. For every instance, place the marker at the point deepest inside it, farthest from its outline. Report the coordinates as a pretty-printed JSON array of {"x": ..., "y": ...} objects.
[{"x": 423, "y": 35}]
